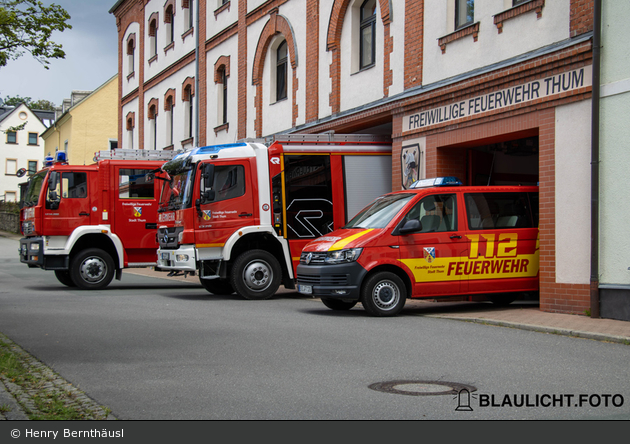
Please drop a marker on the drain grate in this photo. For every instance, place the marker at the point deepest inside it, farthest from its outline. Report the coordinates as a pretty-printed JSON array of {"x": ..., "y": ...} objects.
[{"x": 421, "y": 388}]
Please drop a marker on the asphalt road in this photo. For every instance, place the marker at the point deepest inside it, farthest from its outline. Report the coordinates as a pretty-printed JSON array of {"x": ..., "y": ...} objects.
[{"x": 161, "y": 349}]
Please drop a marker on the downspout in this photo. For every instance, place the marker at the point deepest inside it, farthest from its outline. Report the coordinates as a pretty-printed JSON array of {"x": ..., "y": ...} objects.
[
  {"x": 196, "y": 142},
  {"x": 595, "y": 302}
]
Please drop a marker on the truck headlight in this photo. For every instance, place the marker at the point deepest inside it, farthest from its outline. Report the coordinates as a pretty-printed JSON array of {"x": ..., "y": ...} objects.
[
  {"x": 34, "y": 247},
  {"x": 343, "y": 256}
]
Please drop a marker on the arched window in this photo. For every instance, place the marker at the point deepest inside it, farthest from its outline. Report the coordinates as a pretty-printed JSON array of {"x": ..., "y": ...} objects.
[
  {"x": 153, "y": 126},
  {"x": 170, "y": 25},
  {"x": 131, "y": 49},
  {"x": 367, "y": 45},
  {"x": 169, "y": 104},
  {"x": 281, "y": 71},
  {"x": 188, "y": 107},
  {"x": 224, "y": 95},
  {"x": 464, "y": 13},
  {"x": 153, "y": 37}
]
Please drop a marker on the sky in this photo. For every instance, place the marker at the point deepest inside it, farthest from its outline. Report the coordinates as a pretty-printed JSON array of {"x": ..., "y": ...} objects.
[{"x": 91, "y": 56}]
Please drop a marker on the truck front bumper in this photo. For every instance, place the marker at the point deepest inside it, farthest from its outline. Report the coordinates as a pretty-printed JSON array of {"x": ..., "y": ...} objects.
[
  {"x": 342, "y": 281},
  {"x": 182, "y": 259},
  {"x": 32, "y": 253}
]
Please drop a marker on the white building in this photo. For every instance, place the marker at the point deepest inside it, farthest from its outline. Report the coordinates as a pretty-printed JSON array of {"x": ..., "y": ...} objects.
[{"x": 21, "y": 146}]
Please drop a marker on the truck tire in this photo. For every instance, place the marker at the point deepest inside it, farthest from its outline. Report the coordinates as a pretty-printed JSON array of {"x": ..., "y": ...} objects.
[
  {"x": 383, "y": 294},
  {"x": 338, "y": 304},
  {"x": 63, "y": 276},
  {"x": 220, "y": 287},
  {"x": 256, "y": 274},
  {"x": 92, "y": 269}
]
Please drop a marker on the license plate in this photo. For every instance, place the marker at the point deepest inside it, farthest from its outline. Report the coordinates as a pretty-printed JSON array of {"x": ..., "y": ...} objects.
[
  {"x": 305, "y": 289},
  {"x": 165, "y": 256}
]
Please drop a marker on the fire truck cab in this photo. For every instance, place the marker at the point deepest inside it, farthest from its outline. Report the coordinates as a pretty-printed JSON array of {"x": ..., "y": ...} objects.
[
  {"x": 436, "y": 239},
  {"x": 89, "y": 222}
]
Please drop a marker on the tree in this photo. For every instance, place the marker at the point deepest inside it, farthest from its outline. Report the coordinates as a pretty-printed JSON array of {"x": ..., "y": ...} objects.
[
  {"x": 26, "y": 26},
  {"x": 45, "y": 105}
]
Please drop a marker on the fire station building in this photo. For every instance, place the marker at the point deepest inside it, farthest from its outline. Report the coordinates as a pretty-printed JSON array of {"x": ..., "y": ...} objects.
[{"x": 493, "y": 92}]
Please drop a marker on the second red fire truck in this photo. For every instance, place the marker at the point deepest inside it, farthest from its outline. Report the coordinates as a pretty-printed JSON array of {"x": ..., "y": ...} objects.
[{"x": 239, "y": 215}]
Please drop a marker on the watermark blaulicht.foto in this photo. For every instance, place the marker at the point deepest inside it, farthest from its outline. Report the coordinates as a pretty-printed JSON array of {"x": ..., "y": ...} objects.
[{"x": 467, "y": 401}]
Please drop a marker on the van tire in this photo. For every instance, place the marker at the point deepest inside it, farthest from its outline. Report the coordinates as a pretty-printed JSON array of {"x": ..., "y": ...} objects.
[
  {"x": 92, "y": 269},
  {"x": 256, "y": 275},
  {"x": 220, "y": 287},
  {"x": 338, "y": 304},
  {"x": 63, "y": 276},
  {"x": 383, "y": 294}
]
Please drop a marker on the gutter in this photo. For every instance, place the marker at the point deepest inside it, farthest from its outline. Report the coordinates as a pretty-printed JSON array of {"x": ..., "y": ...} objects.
[{"x": 595, "y": 299}]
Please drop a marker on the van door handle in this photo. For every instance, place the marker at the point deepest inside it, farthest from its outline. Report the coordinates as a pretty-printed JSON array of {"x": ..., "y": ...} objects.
[
  {"x": 245, "y": 215},
  {"x": 456, "y": 236},
  {"x": 83, "y": 213}
]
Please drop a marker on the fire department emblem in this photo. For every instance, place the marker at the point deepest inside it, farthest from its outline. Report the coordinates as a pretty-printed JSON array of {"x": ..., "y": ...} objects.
[
  {"x": 429, "y": 254},
  {"x": 137, "y": 211},
  {"x": 207, "y": 214}
]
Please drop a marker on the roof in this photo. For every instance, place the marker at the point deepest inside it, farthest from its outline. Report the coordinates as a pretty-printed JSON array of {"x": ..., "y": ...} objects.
[{"x": 6, "y": 111}]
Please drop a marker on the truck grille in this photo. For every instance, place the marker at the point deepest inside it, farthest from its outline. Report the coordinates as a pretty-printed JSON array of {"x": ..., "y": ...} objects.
[
  {"x": 333, "y": 279},
  {"x": 28, "y": 228}
]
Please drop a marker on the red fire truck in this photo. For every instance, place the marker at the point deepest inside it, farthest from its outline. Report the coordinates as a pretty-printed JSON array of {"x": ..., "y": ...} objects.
[
  {"x": 89, "y": 222},
  {"x": 238, "y": 215}
]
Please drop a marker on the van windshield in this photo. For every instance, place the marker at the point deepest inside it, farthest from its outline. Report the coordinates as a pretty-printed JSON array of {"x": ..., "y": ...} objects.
[{"x": 380, "y": 212}]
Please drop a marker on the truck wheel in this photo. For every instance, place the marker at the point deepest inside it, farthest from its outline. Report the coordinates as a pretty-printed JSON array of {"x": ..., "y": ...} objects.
[
  {"x": 256, "y": 274},
  {"x": 383, "y": 294},
  {"x": 220, "y": 287},
  {"x": 338, "y": 304},
  {"x": 92, "y": 269},
  {"x": 63, "y": 276}
]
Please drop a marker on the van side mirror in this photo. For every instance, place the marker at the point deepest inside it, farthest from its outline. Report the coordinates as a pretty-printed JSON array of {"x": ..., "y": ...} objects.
[{"x": 411, "y": 226}]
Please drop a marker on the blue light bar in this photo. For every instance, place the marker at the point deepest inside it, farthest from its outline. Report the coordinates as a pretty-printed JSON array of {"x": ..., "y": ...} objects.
[
  {"x": 48, "y": 161},
  {"x": 448, "y": 181},
  {"x": 216, "y": 148},
  {"x": 60, "y": 156}
]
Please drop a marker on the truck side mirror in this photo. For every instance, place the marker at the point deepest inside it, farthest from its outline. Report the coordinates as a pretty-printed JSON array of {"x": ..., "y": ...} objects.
[
  {"x": 52, "y": 200},
  {"x": 411, "y": 226},
  {"x": 21, "y": 172},
  {"x": 208, "y": 175}
]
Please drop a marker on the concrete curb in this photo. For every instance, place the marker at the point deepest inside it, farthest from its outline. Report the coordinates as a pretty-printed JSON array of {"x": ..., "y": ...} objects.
[{"x": 541, "y": 329}]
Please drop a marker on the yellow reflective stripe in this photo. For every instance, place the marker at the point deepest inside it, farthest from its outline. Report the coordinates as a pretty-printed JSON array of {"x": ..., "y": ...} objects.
[
  {"x": 342, "y": 243},
  {"x": 209, "y": 245}
]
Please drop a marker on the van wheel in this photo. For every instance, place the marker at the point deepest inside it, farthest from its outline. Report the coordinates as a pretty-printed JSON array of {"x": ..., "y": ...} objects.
[
  {"x": 220, "y": 287},
  {"x": 256, "y": 274},
  {"x": 92, "y": 269},
  {"x": 63, "y": 276},
  {"x": 501, "y": 300},
  {"x": 338, "y": 304},
  {"x": 384, "y": 294}
]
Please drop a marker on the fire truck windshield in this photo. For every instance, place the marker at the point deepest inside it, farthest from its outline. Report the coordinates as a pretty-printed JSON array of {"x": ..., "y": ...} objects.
[
  {"x": 35, "y": 183},
  {"x": 176, "y": 192},
  {"x": 380, "y": 212}
]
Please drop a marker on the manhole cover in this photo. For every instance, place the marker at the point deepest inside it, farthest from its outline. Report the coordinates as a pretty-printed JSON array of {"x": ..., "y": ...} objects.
[{"x": 421, "y": 388}]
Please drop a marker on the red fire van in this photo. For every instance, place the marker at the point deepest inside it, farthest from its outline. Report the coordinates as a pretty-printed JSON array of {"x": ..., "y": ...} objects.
[{"x": 434, "y": 240}]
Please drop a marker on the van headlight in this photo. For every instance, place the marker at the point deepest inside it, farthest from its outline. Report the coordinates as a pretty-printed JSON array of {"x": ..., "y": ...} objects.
[{"x": 343, "y": 256}]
